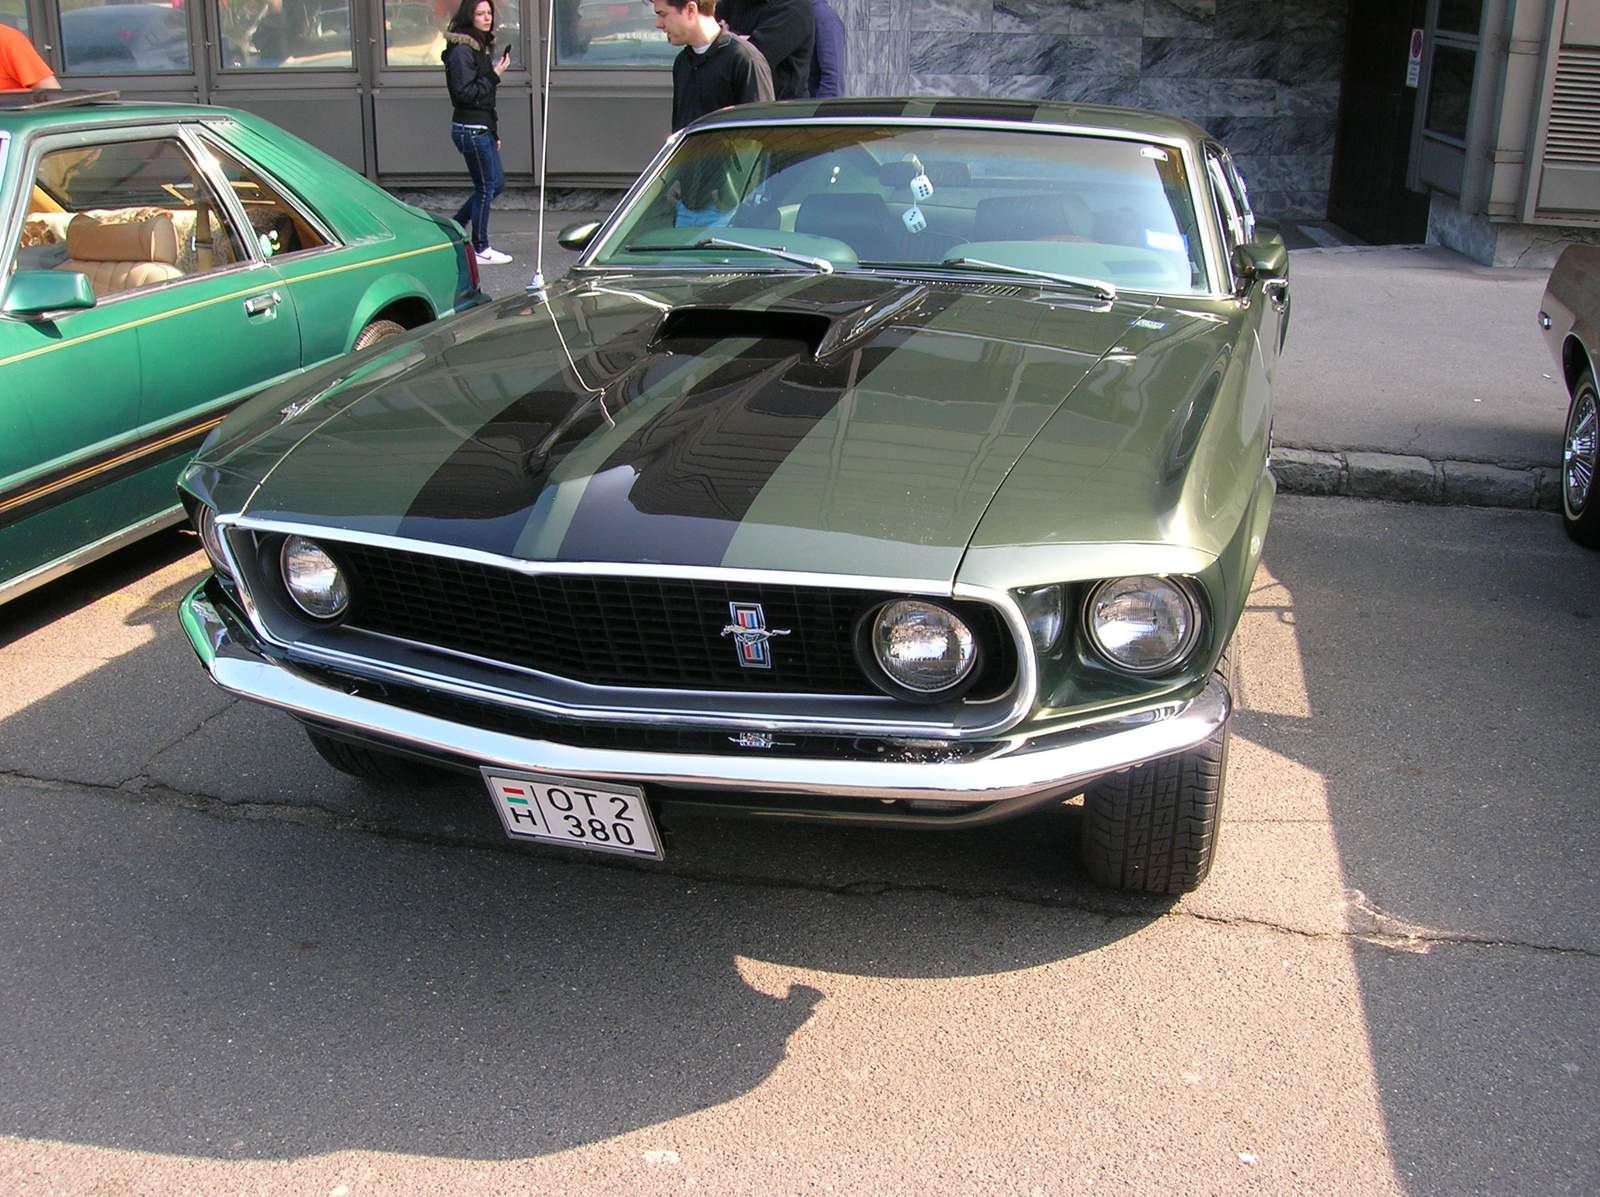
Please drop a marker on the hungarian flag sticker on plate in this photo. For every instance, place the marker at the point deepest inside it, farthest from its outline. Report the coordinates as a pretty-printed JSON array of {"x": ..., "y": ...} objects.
[{"x": 579, "y": 814}]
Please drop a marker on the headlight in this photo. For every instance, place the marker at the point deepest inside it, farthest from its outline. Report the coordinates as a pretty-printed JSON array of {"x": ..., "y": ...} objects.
[
  {"x": 1143, "y": 624},
  {"x": 205, "y": 523},
  {"x": 922, "y": 647},
  {"x": 313, "y": 579}
]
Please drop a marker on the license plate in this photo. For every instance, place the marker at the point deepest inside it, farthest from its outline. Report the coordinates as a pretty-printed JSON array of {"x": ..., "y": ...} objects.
[{"x": 580, "y": 814}]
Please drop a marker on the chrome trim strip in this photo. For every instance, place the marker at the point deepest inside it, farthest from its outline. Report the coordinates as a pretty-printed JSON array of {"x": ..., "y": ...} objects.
[
  {"x": 19, "y": 586},
  {"x": 1057, "y": 763},
  {"x": 614, "y": 569}
]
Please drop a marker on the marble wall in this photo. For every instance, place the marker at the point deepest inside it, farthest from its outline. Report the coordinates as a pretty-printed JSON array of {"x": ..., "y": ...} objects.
[{"x": 1263, "y": 75}]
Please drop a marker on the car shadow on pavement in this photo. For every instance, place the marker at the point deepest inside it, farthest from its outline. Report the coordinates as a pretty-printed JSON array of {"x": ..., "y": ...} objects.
[
  {"x": 217, "y": 948},
  {"x": 1450, "y": 667}
]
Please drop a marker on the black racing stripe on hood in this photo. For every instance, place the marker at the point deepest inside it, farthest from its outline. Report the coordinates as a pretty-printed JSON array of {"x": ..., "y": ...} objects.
[
  {"x": 984, "y": 110},
  {"x": 678, "y": 489},
  {"x": 881, "y": 108},
  {"x": 483, "y": 490}
]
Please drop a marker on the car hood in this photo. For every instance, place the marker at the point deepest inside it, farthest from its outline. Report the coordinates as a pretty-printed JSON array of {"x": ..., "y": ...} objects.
[{"x": 833, "y": 424}]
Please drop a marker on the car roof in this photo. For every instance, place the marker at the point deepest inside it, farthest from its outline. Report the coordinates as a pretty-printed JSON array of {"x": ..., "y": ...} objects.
[
  {"x": 924, "y": 110},
  {"x": 22, "y": 112}
]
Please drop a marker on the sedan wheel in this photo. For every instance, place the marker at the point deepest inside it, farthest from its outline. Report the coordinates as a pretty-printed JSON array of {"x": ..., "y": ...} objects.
[
  {"x": 1153, "y": 828},
  {"x": 1579, "y": 508},
  {"x": 378, "y": 330}
]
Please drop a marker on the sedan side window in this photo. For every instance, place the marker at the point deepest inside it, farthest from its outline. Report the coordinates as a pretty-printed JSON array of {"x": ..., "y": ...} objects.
[
  {"x": 279, "y": 227},
  {"x": 127, "y": 214}
]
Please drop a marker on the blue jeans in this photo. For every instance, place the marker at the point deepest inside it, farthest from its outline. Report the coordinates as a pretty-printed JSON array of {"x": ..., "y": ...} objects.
[{"x": 488, "y": 179}]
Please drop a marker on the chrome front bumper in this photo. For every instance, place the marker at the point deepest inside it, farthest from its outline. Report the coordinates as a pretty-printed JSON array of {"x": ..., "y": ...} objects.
[{"x": 1021, "y": 772}]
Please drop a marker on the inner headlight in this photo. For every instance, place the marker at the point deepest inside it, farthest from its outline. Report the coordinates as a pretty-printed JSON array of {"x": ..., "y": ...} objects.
[
  {"x": 205, "y": 523},
  {"x": 313, "y": 579},
  {"x": 1143, "y": 624},
  {"x": 923, "y": 647}
]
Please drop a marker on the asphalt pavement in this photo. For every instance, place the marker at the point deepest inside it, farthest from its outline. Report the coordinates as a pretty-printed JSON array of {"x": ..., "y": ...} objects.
[{"x": 225, "y": 968}]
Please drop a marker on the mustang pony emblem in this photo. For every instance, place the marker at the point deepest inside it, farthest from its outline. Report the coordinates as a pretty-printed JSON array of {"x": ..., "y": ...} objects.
[{"x": 750, "y": 634}]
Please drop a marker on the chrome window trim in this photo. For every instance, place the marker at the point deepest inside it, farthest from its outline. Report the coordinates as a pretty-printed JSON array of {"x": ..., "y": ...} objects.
[
  {"x": 1212, "y": 255},
  {"x": 763, "y": 711}
]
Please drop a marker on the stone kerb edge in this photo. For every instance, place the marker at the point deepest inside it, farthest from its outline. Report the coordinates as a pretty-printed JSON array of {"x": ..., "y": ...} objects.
[{"x": 1406, "y": 479}]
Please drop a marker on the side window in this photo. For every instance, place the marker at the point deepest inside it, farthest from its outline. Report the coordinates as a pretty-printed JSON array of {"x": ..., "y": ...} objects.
[
  {"x": 128, "y": 214},
  {"x": 1241, "y": 196},
  {"x": 1233, "y": 224},
  {"x": 278, "y": 227}
]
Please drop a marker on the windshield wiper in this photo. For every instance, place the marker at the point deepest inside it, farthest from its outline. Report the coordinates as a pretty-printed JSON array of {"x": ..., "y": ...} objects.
[
  {"x": 820, "y": 265},
  {"x": 1098, "y": 286}
]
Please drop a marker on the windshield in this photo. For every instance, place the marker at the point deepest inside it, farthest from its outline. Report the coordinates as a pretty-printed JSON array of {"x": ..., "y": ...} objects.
[{"x": 865, "y": 196}]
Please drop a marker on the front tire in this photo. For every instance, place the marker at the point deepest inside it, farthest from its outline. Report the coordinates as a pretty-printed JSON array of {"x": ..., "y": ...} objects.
[
  {"x": 371, "y": 764},
  {"x": 1580, "y": 506},
  {"x": 1153, "y": 828}
]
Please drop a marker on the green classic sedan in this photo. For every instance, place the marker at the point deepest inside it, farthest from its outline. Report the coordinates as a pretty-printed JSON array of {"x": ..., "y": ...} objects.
[
  {"x": 160, "y": 264},
  {"x": 881, "y": 461}
]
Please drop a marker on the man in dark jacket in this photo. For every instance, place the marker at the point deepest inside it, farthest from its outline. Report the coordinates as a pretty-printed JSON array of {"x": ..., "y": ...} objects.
[
  {"x": 828, "y": 54},
  {"x": 785, "y": 32},
  {"x": 714, "y": 69}
]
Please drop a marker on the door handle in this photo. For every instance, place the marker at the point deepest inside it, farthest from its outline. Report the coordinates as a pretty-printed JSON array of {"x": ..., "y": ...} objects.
[
  {"x": 1277, "y": 290},
  {"x": 258, "y": 304}
]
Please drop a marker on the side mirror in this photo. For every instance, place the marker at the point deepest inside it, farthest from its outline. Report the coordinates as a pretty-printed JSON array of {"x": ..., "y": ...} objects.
[
  {"x": 578, "y": 236},
  {"x": 33, "y": 293},
  {"x": 1261, "y": 260}
]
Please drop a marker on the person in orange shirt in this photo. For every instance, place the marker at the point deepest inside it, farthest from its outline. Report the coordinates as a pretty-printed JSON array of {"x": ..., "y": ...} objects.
[{"x": 21, "y": 68}]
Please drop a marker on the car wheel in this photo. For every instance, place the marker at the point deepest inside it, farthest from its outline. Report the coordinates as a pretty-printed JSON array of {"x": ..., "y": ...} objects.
[
  {"x": 371, "y": 764},
  {"x": 1580, "y": 508},
  {"x": 378, "y": 330},
  {"x": 1154, "y": 827}
]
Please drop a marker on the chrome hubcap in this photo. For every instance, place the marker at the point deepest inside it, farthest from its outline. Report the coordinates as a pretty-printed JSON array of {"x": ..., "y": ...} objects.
[{"x": 1583, "y": 431}]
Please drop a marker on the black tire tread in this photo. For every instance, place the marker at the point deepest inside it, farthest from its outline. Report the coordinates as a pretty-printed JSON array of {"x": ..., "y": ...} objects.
[
  {"x": 1153, "y": 828},
  {"x": 371, "y": 764},
  {"x": 375, "y": 331}
]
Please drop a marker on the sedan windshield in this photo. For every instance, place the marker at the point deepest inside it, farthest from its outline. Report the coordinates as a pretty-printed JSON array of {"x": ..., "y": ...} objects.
[{"x": 1114, "y": 211}]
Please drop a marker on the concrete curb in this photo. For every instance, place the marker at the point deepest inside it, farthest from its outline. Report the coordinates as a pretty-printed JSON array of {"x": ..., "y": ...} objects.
[{"x": 1406, "y": 479}]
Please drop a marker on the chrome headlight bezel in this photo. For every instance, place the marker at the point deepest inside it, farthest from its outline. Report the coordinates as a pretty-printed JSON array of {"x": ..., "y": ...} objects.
[
  {"x": 1184, "y": 600},
  {"x": 873, "y": 652},
  {"x": 337, "y": 603},
  {"x": 204, "y": 519}
]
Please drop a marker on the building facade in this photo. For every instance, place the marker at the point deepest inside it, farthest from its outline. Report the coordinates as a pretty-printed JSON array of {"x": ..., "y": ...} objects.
[{"x": 1319, "y": 99}]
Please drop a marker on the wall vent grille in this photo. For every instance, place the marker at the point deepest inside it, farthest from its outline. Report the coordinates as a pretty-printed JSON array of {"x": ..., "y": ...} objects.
[{"x": 1574, "y": 131}]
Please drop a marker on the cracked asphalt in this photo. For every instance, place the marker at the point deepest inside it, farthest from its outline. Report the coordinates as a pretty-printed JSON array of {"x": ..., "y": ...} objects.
[{"x": 225, "y": 968}]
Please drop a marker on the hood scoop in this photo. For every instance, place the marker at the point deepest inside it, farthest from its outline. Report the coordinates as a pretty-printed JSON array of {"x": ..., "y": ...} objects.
[{"x": 823, "y": 333}]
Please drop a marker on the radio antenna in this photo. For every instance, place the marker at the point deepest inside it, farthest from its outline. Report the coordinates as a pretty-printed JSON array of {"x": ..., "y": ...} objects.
[{"x": 536, "y": 284}]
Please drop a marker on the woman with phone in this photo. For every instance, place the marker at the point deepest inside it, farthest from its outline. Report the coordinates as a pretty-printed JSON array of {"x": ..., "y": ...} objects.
[{"x": 473, "y": 77}]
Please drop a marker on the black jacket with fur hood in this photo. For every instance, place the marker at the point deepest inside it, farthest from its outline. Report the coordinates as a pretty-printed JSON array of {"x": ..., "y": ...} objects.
[{"x": 469, "y": 71}]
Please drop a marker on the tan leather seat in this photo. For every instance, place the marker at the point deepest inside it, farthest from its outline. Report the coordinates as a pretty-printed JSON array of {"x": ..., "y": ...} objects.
[{"x": 117, "y": 257}]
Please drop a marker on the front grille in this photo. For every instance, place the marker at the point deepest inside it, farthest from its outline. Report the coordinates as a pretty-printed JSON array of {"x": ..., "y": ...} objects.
[
  {"x": 632, "y": 631},
  {"x": 608, "y": 631}
]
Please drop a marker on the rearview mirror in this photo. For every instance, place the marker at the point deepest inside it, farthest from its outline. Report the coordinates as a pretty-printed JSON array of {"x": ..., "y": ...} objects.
[
  {"x": 32, "y": 293},
  {"x": 578, "y": 236},
  {"x": 1260, "y": 260}
]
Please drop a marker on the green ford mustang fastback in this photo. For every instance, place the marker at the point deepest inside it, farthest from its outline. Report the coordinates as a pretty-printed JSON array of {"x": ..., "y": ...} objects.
[
  {"x": 886, "y": 461},
  {"x": 158, "y": 264}
]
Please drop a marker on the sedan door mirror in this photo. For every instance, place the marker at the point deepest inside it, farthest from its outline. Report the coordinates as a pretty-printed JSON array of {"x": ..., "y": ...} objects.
[
  {"x": 32, "y": 294},
  {"x": 578, "y": 236},
  {"x": 1260, "y": 260}
]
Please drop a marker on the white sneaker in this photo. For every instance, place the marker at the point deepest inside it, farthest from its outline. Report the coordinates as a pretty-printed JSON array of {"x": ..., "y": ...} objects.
[{"x": 490, "y": 256}]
